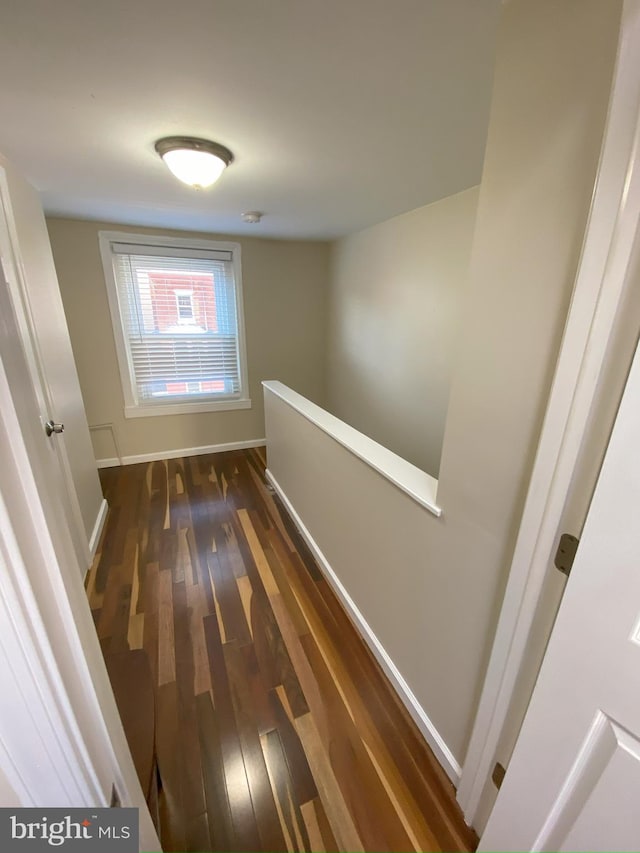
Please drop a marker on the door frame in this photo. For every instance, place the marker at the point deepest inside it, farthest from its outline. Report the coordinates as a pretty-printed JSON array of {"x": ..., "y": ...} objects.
[
  {"x": 601, "y": 287},
  {"x": 574, "y": 744}
]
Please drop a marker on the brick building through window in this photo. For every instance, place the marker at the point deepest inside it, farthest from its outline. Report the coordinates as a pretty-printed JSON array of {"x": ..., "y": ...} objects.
[{"x": 177, "y": 312}]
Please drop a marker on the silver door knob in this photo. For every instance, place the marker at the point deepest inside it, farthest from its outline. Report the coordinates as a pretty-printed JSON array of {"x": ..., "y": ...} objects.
[{"x": 50, "y": 428}]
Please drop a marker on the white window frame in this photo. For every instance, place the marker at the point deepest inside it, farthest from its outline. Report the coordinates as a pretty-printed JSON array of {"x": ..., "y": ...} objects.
[
  {"x": 188, "y": 321},
  {"x": 133, "y": 408}
]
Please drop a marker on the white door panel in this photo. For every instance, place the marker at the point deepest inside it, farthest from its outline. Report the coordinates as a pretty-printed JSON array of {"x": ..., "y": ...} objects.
[
  {"x": 598, "y": 808},
  {"x": 573, "y": 782},
  {"x": 47, "y": 409}
]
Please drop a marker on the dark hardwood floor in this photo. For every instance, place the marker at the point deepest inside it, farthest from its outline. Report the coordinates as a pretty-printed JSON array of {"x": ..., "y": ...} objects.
[{"x": 275, "y": 728}]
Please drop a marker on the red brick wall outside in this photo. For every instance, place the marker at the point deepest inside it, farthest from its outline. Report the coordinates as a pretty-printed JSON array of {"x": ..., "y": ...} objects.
[
  {"x": 163, "y": 299},
  {"x": 204, "y": 387}
]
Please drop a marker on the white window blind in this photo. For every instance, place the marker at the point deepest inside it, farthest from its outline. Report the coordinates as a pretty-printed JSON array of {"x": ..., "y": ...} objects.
[{"x": 179, "y": 315}]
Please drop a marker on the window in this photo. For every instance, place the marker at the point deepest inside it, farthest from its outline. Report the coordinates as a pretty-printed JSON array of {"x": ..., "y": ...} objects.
[
  {"x": 176, "y": 307},
  {"x": 184, "y": 302}
]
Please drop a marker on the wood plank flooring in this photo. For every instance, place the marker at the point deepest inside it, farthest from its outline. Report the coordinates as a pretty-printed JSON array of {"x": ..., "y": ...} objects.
[{"x": 275, "y": 728}]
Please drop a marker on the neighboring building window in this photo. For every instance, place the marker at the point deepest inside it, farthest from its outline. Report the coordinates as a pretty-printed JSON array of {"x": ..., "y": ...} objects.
[
  {"x": 176, "y": 307},
  {"x": 184, "y": 301}
]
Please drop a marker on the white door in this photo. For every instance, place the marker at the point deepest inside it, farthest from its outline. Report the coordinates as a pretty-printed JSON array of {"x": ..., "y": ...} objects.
[
  {"x": 61, "y": 739},
  {"x": 573, "y": 782},
  {"x": 53, "y": 445}
]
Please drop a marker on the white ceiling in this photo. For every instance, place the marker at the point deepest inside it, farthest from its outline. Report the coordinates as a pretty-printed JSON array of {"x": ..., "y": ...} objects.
[{"x": 340, "y": 113}]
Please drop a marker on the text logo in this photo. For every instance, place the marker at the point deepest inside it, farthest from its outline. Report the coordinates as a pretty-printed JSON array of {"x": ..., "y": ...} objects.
[{"x": 87, "y": 830}]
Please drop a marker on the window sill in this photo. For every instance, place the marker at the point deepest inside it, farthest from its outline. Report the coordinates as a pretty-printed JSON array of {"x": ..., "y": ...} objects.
[{"x": 186, "y": 408}]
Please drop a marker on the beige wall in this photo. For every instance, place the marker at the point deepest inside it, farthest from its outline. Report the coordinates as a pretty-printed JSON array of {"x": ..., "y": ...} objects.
[
  {"x": 51, "y": 332},
  {"x": 395, "y": 298},
  {"x": 284, "y": 285},
  {"x": 545, "y": 133},
  {"x": 431, "y": 588}
]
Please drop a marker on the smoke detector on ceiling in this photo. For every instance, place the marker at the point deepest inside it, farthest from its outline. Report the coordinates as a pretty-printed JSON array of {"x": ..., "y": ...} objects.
[{"x": 252, "y": 217}]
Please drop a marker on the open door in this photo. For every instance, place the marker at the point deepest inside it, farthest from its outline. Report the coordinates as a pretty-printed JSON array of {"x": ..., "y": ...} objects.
[
  {"x": 41, "y": 323},
  {"x": 61, "y": 740},
  {"x": 574, "y": 779}
]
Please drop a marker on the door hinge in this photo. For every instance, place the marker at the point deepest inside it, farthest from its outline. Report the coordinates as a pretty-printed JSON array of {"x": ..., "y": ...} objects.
[
  {"x": 566, "y": 553},
  {"x": 498, "y": 774}
]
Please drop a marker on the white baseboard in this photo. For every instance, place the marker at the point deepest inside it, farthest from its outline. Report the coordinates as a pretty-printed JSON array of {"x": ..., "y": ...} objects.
[
  {"x": 417, "y": 712},
  {"x": 97, "y": 527},
  {"x": 112, "y": 462}
]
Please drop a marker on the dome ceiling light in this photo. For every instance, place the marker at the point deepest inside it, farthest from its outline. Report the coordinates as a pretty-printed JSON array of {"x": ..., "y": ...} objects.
[{"x": 197, "y": 162}]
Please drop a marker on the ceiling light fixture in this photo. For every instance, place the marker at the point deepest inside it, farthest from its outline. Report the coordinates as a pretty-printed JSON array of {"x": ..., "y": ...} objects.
[
  {"x": 252, "y": 217},
  {"x": 197, "y": 162}
]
